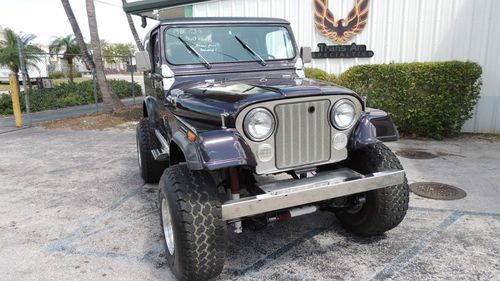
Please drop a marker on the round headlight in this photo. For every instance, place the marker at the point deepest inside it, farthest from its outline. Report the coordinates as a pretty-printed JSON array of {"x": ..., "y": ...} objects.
[
  {"x": 259, "y": 124},
  {"x": 343, "y": 114}
]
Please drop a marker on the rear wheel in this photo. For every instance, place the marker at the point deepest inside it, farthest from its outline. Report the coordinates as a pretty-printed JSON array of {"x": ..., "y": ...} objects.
[
  {"x": 383, "y": 209},
  {"x": 151, "y": 170},
  {"x": 191, "y": 219}
]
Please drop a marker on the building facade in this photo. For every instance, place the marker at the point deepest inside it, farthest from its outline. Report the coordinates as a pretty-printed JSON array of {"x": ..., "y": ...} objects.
[{"x": 398, "y": 31}]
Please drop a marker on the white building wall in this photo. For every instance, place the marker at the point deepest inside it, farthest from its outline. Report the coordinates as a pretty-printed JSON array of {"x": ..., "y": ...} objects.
[{"x": 400, "y": 31}]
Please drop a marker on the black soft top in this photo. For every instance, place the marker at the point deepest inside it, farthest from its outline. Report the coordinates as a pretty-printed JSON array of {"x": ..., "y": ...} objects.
[{"x": 222, "y": 20}]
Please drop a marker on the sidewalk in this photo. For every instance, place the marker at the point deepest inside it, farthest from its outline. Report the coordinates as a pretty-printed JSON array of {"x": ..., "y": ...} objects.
[{"x": 8, "y": 123}]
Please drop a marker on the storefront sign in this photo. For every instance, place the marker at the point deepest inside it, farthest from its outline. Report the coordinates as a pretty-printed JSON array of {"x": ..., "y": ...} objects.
[{"x": 341, "y": 51}]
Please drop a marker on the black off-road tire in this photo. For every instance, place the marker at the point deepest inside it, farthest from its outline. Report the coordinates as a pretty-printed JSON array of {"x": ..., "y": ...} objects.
[
  {"x": 151, "y": 170},
  {"x": 384, "y": 208},
  {"x": 198, "y": 229}
]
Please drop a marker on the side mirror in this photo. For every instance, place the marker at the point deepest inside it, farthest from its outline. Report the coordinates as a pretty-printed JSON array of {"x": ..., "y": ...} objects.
[
  {"x": 143, "y": 61},
  {"x": 306, "y": 54}
]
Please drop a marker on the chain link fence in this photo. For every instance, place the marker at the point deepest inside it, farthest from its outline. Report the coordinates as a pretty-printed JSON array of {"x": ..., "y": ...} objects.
[{"x": 62, "y": 83}]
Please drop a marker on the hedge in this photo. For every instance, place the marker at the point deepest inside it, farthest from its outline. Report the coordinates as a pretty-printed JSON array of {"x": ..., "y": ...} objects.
[
  {"x": 320, "y": 74},
  {"x": 56, "y": 75},
  {"x": 66, "y": 95},
  {"x": 60, "y": 74},
  {"x": 432, "y": 99}
]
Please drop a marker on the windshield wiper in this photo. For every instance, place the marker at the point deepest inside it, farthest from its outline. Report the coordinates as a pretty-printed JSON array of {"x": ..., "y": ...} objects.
[
  {"x": 261, "y": 60},
  {"x": 193, "y": 51}
]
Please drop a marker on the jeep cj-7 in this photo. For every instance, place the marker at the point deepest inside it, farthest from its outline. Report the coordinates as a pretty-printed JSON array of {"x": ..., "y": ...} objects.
[{"x": 236, "y": 136}]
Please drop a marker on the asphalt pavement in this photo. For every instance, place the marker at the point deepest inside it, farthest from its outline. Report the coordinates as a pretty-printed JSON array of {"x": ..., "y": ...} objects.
[{"x": 73, "y": 207}]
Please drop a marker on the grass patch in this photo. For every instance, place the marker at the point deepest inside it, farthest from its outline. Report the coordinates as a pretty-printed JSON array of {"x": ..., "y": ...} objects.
[
  {"x": 59, "y": 81},
  {"x": 4, "y": 87}
]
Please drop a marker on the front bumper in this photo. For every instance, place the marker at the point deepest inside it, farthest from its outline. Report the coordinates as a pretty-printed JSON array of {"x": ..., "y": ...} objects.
[{"x": 326, "y": 185}]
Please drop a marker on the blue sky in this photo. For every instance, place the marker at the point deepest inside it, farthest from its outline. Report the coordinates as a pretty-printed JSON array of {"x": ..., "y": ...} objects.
[{"x": 46, "y": 19}]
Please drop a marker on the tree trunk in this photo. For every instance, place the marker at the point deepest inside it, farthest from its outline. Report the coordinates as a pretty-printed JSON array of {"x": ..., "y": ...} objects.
[
  {"x": 110, "y": 99},
  {"x": 28, "y": 82},
  {"x": 70, "y": 72},
  {"x": 133, "y": 30},
  {"x": 148, "y": 89},
  {"x": 15, "y": 70},
  {"x": 87, "y": 59}
]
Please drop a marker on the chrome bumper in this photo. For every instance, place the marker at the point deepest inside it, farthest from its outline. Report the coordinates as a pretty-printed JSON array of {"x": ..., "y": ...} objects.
[{"x": 290, "y": 193}]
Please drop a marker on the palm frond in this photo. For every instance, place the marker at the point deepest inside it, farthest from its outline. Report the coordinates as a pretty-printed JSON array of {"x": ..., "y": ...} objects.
[{"x": 9, "y": 52}]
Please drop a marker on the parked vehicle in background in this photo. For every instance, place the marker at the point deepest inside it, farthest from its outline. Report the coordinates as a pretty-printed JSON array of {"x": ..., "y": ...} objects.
[
  {"x": 4, "y": 75},
  {"x": 40, "y": 71},
  {"x": 229, "y": 110}
]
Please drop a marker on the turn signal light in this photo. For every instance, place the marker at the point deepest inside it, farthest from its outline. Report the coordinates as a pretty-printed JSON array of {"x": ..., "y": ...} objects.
[{"x": 191, "y": 136}]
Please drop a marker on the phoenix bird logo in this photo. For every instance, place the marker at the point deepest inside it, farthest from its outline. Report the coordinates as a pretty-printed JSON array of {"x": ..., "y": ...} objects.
[{"x": 342, "y": 30}]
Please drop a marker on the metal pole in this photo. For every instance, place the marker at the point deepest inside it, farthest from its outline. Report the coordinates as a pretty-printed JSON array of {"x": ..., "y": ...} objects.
[
  {"x": 94, "y": 84},
  {"x": 132, "y": 77},
  {"x": 24, "y": 73}
]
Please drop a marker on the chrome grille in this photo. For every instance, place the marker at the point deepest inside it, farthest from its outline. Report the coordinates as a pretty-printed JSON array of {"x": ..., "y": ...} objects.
[{"x": 303, "y": 133}]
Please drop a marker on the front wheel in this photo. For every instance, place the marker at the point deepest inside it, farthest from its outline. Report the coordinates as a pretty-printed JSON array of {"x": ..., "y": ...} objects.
[
  {"x": 383, "y": 208},
  {"x": 191, "y": 220}
]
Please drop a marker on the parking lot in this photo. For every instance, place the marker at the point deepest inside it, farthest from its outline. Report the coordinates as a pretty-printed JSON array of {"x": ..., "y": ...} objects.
[{"x": 73, "y": 207}]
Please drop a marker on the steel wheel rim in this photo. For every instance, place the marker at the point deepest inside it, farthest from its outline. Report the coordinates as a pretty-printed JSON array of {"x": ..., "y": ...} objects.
[{"x": 168, "y": 231}]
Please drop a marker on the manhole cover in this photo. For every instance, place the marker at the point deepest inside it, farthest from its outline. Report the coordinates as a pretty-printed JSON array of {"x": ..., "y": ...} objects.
[
  {"x": 415, "y": 154},
  {"x": 438, "y": 191}
]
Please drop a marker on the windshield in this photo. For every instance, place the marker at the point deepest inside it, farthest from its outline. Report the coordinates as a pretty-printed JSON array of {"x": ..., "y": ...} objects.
[{"x": 202, "y": 45}]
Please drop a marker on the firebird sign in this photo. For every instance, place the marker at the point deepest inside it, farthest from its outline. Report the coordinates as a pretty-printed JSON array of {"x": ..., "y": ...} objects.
[{"x": 341, "y": 31}]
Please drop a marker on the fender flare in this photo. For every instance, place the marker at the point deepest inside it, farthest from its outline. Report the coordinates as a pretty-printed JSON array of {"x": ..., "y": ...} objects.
[
  {"x": 215, "y": 150},
  {"x": 373, "y": 127},
  {"x": 151, "y": 110}
]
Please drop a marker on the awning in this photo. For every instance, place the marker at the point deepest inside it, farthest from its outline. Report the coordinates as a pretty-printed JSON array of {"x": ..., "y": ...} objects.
[{"x": 160, "y": 9}]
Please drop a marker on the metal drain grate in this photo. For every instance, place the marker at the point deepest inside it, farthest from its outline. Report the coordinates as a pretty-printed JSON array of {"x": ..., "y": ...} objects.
[
  {"x": 415, "y": 154},
  {"x": 438, "y": 191}
]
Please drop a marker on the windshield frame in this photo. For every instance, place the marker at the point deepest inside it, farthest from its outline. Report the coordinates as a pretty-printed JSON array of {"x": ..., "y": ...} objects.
[{"x": 285, "y": 26}]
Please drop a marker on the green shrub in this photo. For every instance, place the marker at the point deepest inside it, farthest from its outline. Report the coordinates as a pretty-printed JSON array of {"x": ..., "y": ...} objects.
[
  {"x": 60, "y": 74},
  {"x": 319, "y": 74},
  {"x": 431, "y": 99},
  {"x": 77, "y": 74},
  {"x": 66, "y": 95},
  {"x": 5, "y": 104},
  {"x": 122, "y": 88},
  {"x": 56, "y": 75}
]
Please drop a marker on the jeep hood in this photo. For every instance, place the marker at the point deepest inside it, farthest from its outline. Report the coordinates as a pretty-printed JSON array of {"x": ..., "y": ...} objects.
[{"x": 206, "y": 101}]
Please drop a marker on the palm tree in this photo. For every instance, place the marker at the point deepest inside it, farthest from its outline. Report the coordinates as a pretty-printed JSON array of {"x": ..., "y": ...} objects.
[
  {"x": 133, "y": 30},
  {"x": 110, "y": 99},
  {"x": 9, "y": 50},
  {"x": 69, "y": 47},
  {"x": 87, "y": 59}
]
